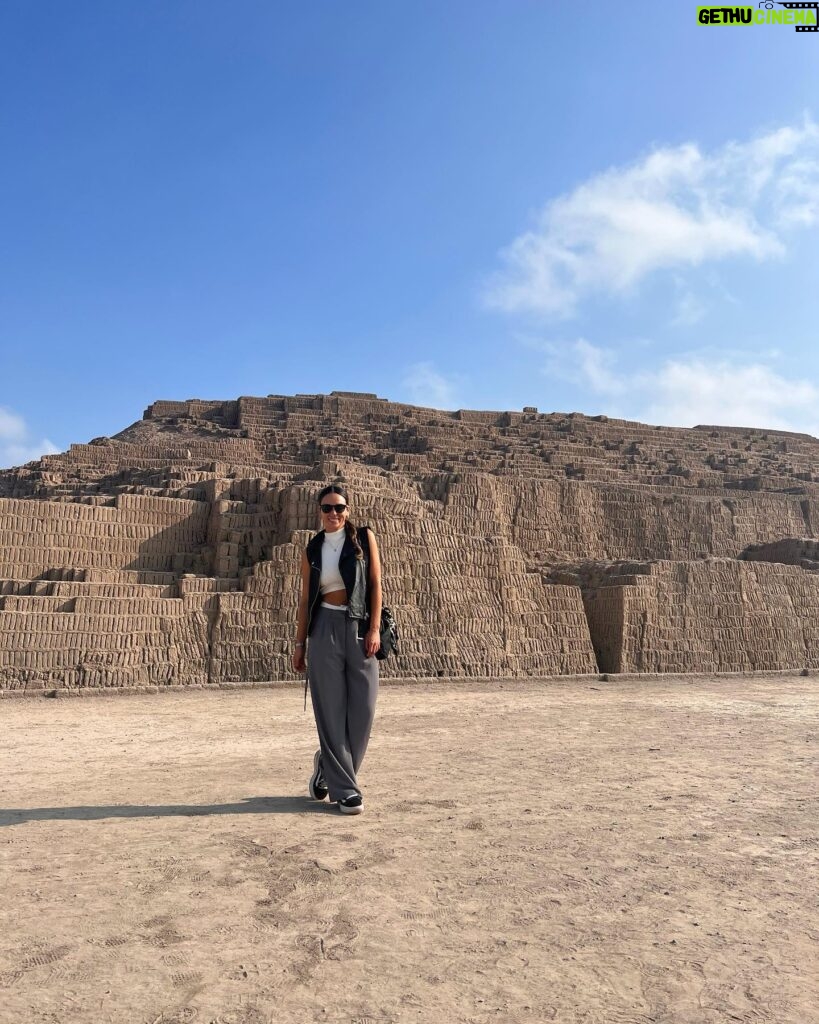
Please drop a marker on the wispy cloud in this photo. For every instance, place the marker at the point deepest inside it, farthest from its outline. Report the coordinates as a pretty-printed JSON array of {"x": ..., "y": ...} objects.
[
  {"x": 688, "y": 390},
  {"x": 428, "y": 387},
  {"x": 677, "y": 208},
  {"x": 690, "y": 308},
  {"x": 17, "y": 446},
  {"x": 730, "y": 394},
  {"x": 584, "y": 364}
]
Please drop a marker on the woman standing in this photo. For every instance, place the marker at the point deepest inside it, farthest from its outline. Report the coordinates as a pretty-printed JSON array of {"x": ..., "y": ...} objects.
[{"x": 340, "y": 611}]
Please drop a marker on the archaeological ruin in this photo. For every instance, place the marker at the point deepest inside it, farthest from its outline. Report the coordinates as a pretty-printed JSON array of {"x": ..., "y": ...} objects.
[{"x": 514, "y": 544}]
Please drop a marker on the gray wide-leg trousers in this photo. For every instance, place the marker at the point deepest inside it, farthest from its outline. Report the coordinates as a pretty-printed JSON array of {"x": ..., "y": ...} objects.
[{"x": 343, "y": 688}]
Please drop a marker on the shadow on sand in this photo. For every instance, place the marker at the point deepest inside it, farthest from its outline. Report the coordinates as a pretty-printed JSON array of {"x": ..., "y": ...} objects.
[{"x": 252, "y": 805}]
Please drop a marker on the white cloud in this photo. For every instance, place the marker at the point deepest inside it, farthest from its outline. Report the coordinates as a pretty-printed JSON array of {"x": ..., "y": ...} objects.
[
  {"x": 427, "y": 387},
  {"x": 584, "y": 364},
  {"x": 690, "y": 310},
  {"x": 12, "y": 427},
  {"x": 686, "y": 393},
  {"x": 676, "y": 208},
  {"x": 16, "y": 445},
  {"x": 690, "y": 390}
]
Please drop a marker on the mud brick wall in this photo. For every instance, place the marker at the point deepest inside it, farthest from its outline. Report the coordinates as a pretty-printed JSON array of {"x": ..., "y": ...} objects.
[
  {"x": 514, "y": 543},
  {"x": 142, "y": 533},
  {"x": 558, "y": 521},
  {"x": 468, "y": 607},
  {"x": 253, "y": 634},
  {"x": 117, "y": 647},
  {"x": 465, "y": 609},
  {"x": 282, "y": 435},
  {"x": 707, "y": 616}
]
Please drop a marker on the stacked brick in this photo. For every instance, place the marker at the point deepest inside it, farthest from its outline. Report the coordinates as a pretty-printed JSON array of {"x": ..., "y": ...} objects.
[
  {"x": 467, "y": 608},
  {"x": 128, "y": 642},
  {"x": 514, "y": 543},
  {"x": 253, "y": 634},
  {"x": 281, "y": 436},
  {"x": 557, "y": 521},
  {"x": 138, "y": 533},
  {"x": 719, "y": 615}
]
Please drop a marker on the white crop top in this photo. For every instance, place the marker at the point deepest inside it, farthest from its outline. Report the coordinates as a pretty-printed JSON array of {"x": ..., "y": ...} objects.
[{"x": 330, "y": 553}]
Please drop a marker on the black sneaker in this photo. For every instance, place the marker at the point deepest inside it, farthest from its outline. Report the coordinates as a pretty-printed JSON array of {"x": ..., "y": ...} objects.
[
  {"x": 351, "y": 804},
  {"x": 317, "y": 786}
]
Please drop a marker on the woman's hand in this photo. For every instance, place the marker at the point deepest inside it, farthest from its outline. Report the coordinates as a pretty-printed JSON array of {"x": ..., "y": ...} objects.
[
  {"x": 298, "y": 659},
  {"x": 372, "y": 642}
]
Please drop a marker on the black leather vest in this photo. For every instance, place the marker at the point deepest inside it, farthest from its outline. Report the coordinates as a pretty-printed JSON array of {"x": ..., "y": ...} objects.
[{"x": 355, "y": 572}]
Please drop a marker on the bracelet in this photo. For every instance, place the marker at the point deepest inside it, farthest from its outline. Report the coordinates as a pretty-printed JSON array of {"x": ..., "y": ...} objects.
[{"x": 299, "y": 643}]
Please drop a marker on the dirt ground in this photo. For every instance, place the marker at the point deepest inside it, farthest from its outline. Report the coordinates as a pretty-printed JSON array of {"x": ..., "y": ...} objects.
[{"x": 574, "y": 851}]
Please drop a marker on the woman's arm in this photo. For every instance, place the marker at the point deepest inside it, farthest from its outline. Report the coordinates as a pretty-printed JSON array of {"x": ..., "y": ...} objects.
[
  {"x": 372, "y": 641},
  {"x": 301, "y": 623}
]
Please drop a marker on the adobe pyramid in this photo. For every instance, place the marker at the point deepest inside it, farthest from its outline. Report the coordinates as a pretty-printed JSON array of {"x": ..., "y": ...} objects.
[{"x": 514, "y": 543}]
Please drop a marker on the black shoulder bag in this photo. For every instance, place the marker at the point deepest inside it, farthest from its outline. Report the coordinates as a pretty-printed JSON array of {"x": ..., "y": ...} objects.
[{"x": 388, "y": 629}]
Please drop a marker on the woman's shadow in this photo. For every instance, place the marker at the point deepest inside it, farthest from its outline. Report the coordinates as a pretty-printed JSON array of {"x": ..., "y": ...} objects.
[{"x": 252, "y": 805}]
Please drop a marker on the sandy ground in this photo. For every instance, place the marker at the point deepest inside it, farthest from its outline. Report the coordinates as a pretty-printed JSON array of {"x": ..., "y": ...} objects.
[{"x": 573, "y": 851}]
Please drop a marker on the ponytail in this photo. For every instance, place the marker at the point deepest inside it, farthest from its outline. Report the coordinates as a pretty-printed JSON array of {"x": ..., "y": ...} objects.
[{"x": 352, "y": 533}]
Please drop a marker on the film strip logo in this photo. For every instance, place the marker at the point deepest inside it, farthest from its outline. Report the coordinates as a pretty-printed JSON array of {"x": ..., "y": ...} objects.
[{"x": 794, "y": 6}]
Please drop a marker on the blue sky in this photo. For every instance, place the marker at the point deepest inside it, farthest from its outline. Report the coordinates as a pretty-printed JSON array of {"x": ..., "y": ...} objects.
[{"x": 597, "y": 207}]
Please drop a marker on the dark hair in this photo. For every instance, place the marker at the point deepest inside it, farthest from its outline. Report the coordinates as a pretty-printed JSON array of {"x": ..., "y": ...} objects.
[{"x": 349, "y": 527}]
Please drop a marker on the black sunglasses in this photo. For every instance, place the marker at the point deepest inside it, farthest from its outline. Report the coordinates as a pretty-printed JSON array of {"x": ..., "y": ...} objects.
[{"x": 327, "y": 509}]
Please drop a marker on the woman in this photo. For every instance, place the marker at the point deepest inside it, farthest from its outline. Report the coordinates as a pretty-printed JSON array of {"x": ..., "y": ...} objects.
[{"x": 340, "y": 611}]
